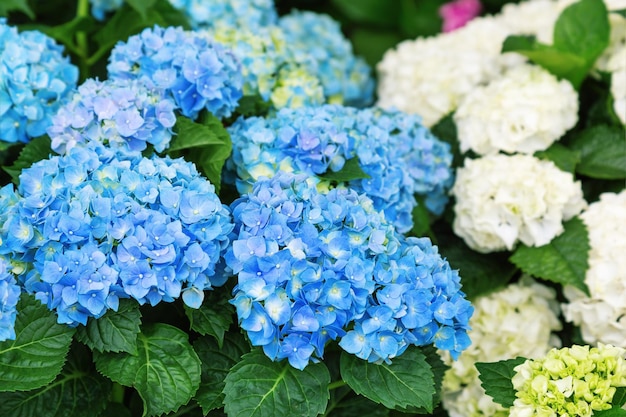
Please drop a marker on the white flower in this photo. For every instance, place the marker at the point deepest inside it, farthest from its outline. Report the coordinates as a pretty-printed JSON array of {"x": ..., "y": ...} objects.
[
  {"x": 602, "y": 315},
  {"x": 534, "y": 17},
  {"x": 430, "y": 76},
  {"x": 525, "y": 110},
  {"x": 502, "y": 199},
  {"x": 496, "y": 335}
]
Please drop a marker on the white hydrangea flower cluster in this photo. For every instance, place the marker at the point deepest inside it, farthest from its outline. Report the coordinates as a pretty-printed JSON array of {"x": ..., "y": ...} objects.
[
  {"x": 533, "y": 17},
  {"x": 525, "y": 110},
  {"x": 602, "y": 315},
  {"x": 502, "y": 199},
  {"x": 496, "y": 323},
  {"x": 430, "y": 76}
]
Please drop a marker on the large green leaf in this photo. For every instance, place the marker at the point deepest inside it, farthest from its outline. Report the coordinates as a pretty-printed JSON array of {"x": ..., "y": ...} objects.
[
  {"x": 563, "y": 64},
  {"x": 583, "y": 29},
  {"x": 258, "y": 387},
  {"x": 116, "y": 331},
  {"x": 603, "y": 152},
  {"x": 78, "y": 391},
  {"x": 208, "y": 130},
  {"x": 35, "y": 150},
  {"x": 214, "y": 316},
  {"x": 38, "y": 352},
  {"x": 165, "y": 372},
  {"x": 216, "y": 363},
  {"x": 564, "y": 260},
  {"x": 496, "y": 379},
  {"x": 205, "y": 142},
  {"x": 405, "y": 383}
]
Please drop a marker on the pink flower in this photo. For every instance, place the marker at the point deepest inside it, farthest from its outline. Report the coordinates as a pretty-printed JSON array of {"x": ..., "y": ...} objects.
[{"x": 457, "y": 13}]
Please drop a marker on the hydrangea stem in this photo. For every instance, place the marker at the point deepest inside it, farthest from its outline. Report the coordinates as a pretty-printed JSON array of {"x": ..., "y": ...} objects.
[
  {"x": 336, "y": 384},
  {"x": 82, "y": 10},
  {"x": 117, "y": 393}
]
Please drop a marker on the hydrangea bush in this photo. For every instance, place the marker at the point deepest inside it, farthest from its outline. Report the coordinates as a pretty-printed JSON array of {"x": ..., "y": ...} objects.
[{"x": 215, "y": 208}]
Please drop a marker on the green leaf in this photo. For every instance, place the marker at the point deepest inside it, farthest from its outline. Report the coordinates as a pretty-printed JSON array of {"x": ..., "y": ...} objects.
[
  {"x": 141, "y": 6},
  {"x": 250, "y": 106},
  {"x": 35, "y": 150},
  {"x": 116, "y": 331},
  {"x": 563, "y": 157},
  {"x": 7, "y": 6},
  {"x": 78, "y": 391},
  {"x": 128, "y": 21},
  {"x": 619, "y": 398},
  {"x": 611, "y": 412},
  {"x": 603, "y": 152},
  {"x": 38, "y": 352},
  {"x": 165, "y": 372},
  {"x": 496, "y": 379},
  {"x": 205, "y": 143},
  {"x": 480, "y": 273},
  {"x": 407, "y": 382},
  {"x": 214, "y": 316},
  {"x": 583, "y": 29},
  {"x": 258, "y": 387},
  {"x": 562, "y": 64},
  {"x": 445, "y": 130},
  {"x": 351, "y": 170},
  {"x": 421, "y": 219},
  {"x": 189, "y": 134},
  {"x": 216, "y": 363},
  {"x": 359, "y": 406},
  {"x": 564, "y": 260}
]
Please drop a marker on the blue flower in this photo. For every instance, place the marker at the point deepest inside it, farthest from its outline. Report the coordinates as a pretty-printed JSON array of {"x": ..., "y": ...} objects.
[
  {"x": 317, "y": 43},
  {"x": 36, "y": 80},
  {"x": 100, "y": 8},
  {"x": 195, "y": 73},
  {"x": 239, "y": 13},
  {"x": 121, "y": 114},
  {"x": 9, "y": 296},
  {"x": 417, "y": 300},
  {"x": 101, "y": 233},
  {"x": 401, "y": 157},
  {"x": 302, "y": 276}
]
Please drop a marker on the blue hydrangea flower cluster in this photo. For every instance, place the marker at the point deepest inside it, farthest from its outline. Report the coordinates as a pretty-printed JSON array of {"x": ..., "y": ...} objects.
[
  {"x": 267, "y": 66},
  {"x": 427, "y": 161},
  {"x": 9, "y": 296},
  {"x": 418, "y": 301},
  {"x": 195, "y": 73},
  {"x": 318, "y": 267},
  {"x": 236, "y": 13},
  {"x": 92, "y": 229},
  {"x": 122, "y": 114},
  {"x": 316, "y": 42},
  {"x": 400, "y": 155},
  {"x": 100, "y": 8},
  {"x": 35, "y": 79}
]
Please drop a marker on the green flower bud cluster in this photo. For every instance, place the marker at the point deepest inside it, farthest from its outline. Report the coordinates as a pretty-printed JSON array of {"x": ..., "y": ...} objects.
[{"x": 569, "y": 382}]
